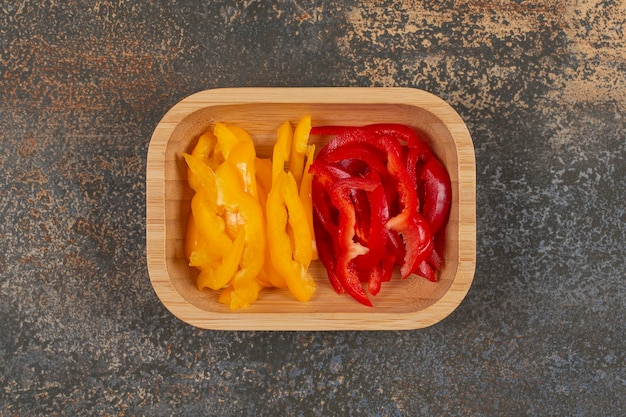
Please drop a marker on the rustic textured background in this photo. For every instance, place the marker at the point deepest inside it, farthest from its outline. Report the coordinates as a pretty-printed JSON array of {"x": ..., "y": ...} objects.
[{"x": 543, "y": 91}]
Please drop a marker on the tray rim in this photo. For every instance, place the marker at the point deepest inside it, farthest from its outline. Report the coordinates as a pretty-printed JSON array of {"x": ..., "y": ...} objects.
[{"x": 370, "y": 320}]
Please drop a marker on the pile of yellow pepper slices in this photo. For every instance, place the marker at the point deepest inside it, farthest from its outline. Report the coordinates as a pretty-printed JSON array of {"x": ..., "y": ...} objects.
[{"x": 251, "y": 222}]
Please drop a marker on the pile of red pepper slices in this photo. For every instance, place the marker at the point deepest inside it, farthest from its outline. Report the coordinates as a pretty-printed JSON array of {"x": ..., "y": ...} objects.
[{"x": 379, "y": 197}]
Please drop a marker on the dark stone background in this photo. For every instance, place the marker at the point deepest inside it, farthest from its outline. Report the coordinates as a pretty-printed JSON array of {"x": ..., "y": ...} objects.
[{"x": 543, "y": 91}]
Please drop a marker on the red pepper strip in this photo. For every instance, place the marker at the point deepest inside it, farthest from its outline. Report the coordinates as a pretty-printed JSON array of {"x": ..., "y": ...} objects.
[
  {"x": 437, "y": 188},
  {"x": 391, "y": 147},
  {"x": 325, "y": 221},
  {"x": 424, "y": 244},
  {"x": 371, "y": 210},
  {"x": 363, "y": 160},
  {"x": 435, "y": 260},
  {"x": 326, "y": 253},
  {"x": 428, "y": 267},
  {"x": 375, "y": 280},
  {"x": 340, "y": 185},
  {"x": 363, "y": 216},
  {"x": 418, "y": 149},
  {"x": 403, "y": 222},
  {"x": 325, "y": 229},
  {"x": 375, "y": 235},
  {"x": 436, "y": 194},
  {"x": 340, "y": 196},
  {"x": 395, "y": 246},
  {"x": 371, "y": 159},
  {"x": 387, "y": 263},
  {"x": 426, "y": 271}
]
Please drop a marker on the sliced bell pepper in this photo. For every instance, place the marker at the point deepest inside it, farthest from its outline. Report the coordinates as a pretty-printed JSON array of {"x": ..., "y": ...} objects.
[
  {"x": 202, "y": 151},
  {"x": 243, "y": 156},
  {"x": 204, "y": 178},
  {"x": 298, "y": 279},
  {"x": 282, "y": 150},
  {"x": 302, "y": 249},
  {"x": 346, "y": 268},
  {"x": 263, "y": 170},
  {"x": 403, "y": 221},
  {"x": 210, "y": 225},
  {"x": 218, "y": 277},
  {"x": 299, "y": 148},
  {"x": 232, "y": 196},
  {"x": 306, "y": 197},
  {"x": 226, "y": 139},
  {"x": 326, "y": 218},
  {"x": 268, "y": 277},
  {"x": 436, "y": 193},
  {"x": 326, "y": 251},
  {"x": 193, "y": 237}
]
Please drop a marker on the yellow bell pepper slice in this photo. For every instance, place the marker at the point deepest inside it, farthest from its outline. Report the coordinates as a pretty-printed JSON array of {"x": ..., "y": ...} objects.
[
  {"x": 297, "y": 219},
  {"x": 226, "y": 139},
  {"x": 193, "y": 237},
  {"x": 268, "y": 277},
  {"x": 298, "y": 279},
  {"x": 203, "y": 150},
  {"x": 242, "y": 156},
  {"x": 282, "y": 150},
  {"x": 204, "y": 178},
  {"x": 219, "y": 277},
  {"x": 230, "y": 194},
  {"x": 240, "y": 133},
  {"x": 224, "y": 297},
  {"x": 210, "y": 225},
  {"x": 299, "y": 148},
  {"x": 263, "y": 170},
  {"x": 204, "y": 258},
  {"x": 306, "y": 197}
]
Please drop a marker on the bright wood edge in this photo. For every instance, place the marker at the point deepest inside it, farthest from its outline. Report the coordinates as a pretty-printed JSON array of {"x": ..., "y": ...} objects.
[{"x": 155, "y": 197}]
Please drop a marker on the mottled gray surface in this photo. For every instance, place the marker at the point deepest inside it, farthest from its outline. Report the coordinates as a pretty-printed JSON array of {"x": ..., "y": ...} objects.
[{"x": 543, "y": 91}]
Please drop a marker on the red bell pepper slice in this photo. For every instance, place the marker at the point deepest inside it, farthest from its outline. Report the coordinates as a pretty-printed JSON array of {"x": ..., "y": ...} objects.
[
  {"x": 326, "y": 252},
  {"x": 325, "y": 221},
  {"x": 346, "y": 269},
  {"x": 366, "y": 189},
  {"x": 403, "y": 222},
  {"x": 435, "y": 191}
]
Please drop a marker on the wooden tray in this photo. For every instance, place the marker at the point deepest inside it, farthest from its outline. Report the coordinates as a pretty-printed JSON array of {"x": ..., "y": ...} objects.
[{"x": 401, "y": 304}]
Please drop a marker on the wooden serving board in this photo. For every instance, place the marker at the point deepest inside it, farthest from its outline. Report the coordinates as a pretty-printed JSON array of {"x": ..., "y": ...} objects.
[{"x": 401, "y": 304}]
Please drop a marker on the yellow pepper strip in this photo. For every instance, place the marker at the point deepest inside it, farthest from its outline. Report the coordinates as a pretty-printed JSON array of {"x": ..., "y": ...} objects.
[
  {"x": 224, "y": 297},
  {"x": 306, "y": 196},
  {"x": 202, "y": 151},
  {"x": 210, "y": 225},
  {"x": 242, "y": 156},
  {"x": 230, "y": 194},
  {"x": 270, "y": 273},
  {"x": 204, "y": 178},
  {"x": 205, "y": 146},
  {"x": 298, "y": 279},
  {"x": 232, "y": 221},
  {"x": 268, "y": 277},
  {"x": 217, "y": 278},
  {"x": 282, "y": 150},
  {"x": 193, "y": 238},
  {"x": 297, "y": 218},
  {"x": 226, "y": 139},
  {"x": 240, "y": 133},
  {"x": 203, "y": 258},
  {"x": 299, "y": 148},
  {"x": 263, "y": 170}
]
